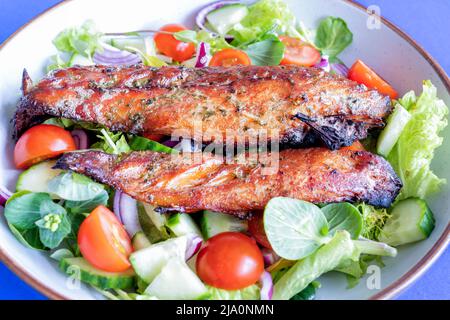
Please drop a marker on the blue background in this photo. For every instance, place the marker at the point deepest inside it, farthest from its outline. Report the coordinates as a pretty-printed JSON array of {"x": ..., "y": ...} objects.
[{"x": 426, "y": 21}]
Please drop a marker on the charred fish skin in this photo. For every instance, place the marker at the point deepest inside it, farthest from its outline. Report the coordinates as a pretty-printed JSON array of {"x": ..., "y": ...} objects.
[
  {"x": 178, "y": 183},
  {"x": 294, "y": 105}
]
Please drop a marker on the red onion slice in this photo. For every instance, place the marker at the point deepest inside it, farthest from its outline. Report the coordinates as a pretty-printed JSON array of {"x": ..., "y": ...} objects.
[
  {"x": 126, "y": 207},
  {"x": 339, "y": 68},
  {"x": 113, "y": 56},
  {"x": 116, "y": 205},
  {"x": 269, "y": 256},
  {"x": 5, "y": 194},
  {"x": 194, "y": 244},
  {"x": 200, "y": 19},
  {"x": 81, "y": 139},
  {"x": 266, "y": 286},
  {"x": 203, "y": 55},
  {"x": 323, "y": 64}
]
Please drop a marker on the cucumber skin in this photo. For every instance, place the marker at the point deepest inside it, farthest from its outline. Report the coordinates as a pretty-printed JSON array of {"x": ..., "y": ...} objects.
[
  {"x": 427, "y": 221},
  {"x": 115, "y": 281}
]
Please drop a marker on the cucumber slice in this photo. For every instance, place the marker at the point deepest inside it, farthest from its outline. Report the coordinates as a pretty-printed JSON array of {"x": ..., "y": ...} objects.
[
  {"x": 145, "y": 45},
  {"x": 80, "y": 60},
  {"x": 224, "y": 18},
  {"x": 177, "y": 282},
  {"x": 411, "y": 220},
  {"x": 395, "y": 125},
  {"x": 148, "y": 262},
  {"x": 213, "y": 223},
  {"x": 84, "y": 271},
  {"x": 36, "y": 178},
  {"x": 182, "y": 224},
  {"x": 140, "y": 241}
]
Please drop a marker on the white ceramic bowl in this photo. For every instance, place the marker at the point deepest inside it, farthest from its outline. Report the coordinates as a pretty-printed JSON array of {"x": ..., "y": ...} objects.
[{"x": 395, "y": 56}]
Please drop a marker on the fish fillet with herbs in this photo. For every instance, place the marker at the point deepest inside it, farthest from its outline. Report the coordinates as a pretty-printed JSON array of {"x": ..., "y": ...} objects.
[
  {"x": 297, "y": 106},
  {"x": 178, "y": 182}
]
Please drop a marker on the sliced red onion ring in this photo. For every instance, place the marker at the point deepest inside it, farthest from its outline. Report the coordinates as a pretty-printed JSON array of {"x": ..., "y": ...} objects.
[
  {"x": 171, "y": 143},
  {"x": 127, "y": 209},
  {"x": 323, "y": 64},
  {"x": 203, "y": 55},
  {"x": 200, "y": 19},
  {"x": 266, "y": 286},
  {"x": 116, "y": 205},
  {"x": 5, "y": 194},
  {"x": 193, "y": 246},
  {"x": 81, "y": 139},
  {"x": 188, "y": 145},
  {"x": 113, "y": 56},
  {"x": 269, "y": 256},
  {"x": 339, "y": 68}
]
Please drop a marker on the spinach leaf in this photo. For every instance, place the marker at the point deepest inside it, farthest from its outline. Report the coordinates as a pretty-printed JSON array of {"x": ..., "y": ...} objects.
[
  {"x": 267, "y": 52},
  {"x": 343, "y": 216},
  {"x": 23, "y": 209},
  {"x": 75, "y": 187},
  {"x": 87, "y": 206},
  {"x": 54, "y": 225},
  {"x": 29, "y": 238},
  {"x": 295, "y": 228},
  {"x": 142, "y": 144},
  {"x": 333, "y": 36}
]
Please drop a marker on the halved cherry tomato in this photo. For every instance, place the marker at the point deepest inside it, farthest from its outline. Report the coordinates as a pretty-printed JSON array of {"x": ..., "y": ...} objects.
[
  {"x": 361, "y": 73},
  {"x": 230, "y": 261},
  {"x": 230, "y": 57},
  {"x": 154, "y": 136},
  {"x": 168, "y": 45},
  {"x": 356, "y": 146},
  {"x": 299, "y": 53},
  {"x": 104, "y": 242},
  {"x": 41, "y": 142},
  {"x": 256, "y": 228}
]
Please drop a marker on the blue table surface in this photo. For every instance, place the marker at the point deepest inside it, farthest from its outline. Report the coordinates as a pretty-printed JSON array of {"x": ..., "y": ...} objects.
[{"x": 426, "y": 21}]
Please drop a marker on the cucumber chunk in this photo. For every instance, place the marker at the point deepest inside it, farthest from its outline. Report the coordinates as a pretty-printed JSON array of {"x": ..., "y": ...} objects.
[
  {"x": 213, "y": 223},
  {"x": 177, "y": 282},
  {"x": 140, "y": 241},
  {"x": 84, "y": 271},
  {"x": 154, "y": 233},
  {"x": 36, "y": 178},
  {"x": 182, "y": 224},
  {"x": 411, "y": 220},
  {"x": 224, "y": 18},
  {"x": 148, "y": 262},
  {"x": 395, "y": 125}
]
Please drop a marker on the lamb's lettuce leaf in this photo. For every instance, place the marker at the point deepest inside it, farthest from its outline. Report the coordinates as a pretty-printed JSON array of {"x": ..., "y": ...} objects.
[
  {"x": 333, "y": 36},
  {"x": 411, "y": 156},
  {"x": 74, "y": 187}
]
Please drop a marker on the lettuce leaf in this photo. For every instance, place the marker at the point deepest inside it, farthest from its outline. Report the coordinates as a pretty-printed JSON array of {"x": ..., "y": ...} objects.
[
  {"x": 333, "y": 36},
  {"x": 83, "y": 40},
  {"x": 411, "y": 156},
  {"x": 249, "y": 293},
  {"x": 265, "y": 16}
]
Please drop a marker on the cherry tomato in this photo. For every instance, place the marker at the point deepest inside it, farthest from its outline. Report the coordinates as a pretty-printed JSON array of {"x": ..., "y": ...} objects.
[
  {"x": 361, "y": 73},
  {"x": 104, "y": 242},
  {"x": 230, "y": 57},
  {"x": 41, "y": 142},
  {"x": 230, "y": 261},
  {"x": 356, "y": 146},
  {"x": 168, "y": 45},
  {"x": 256, "y": 228},
  {"x": 299, "y": 53}
]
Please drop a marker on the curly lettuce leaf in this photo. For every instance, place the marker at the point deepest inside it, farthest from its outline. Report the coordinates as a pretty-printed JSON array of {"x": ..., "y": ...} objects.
[
  {"x": 412, "y": 155},
  {"x": 83, "y": 40},
  {"x": 262, "y": 17}
]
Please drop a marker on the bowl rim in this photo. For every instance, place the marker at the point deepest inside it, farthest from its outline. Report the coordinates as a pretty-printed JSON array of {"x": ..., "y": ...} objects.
[{"x": 389, "y": 292}]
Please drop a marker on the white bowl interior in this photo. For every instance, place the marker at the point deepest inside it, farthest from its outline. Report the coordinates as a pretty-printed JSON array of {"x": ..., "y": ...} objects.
[{"x": 383, "y": 49}]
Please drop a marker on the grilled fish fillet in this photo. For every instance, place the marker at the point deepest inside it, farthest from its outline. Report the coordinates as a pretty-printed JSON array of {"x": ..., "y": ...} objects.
[
  {"x": 177, "y": 182},
  {"x": 293, "y": 105}
]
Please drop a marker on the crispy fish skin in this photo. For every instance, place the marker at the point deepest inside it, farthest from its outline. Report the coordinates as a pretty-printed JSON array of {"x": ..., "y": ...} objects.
[
  {"x": 176, "y": 182},
  {"x": 295, "y": 105}
]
